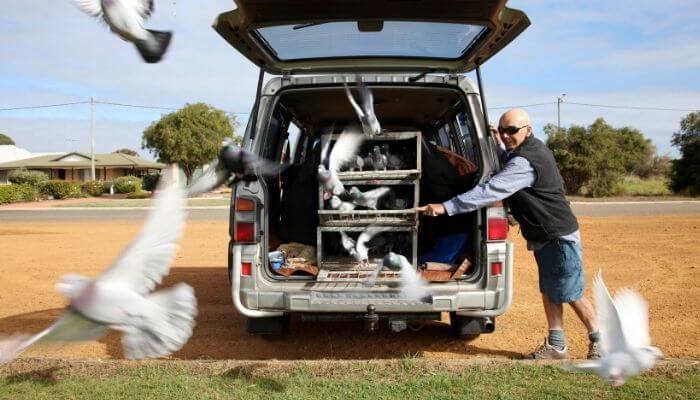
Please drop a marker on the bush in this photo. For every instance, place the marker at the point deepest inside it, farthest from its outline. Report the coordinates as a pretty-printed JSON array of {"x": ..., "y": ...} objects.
[
  {"x": 150, "y": 181},
  {"x": 15, "y": 193},
  {"x": 61, "y": 189},
  {"x": 22, "y": 176},
  {"x": 139, "y": 195},
  {"x": 106, "y": 185},
  {"x": 93, "y": 188},
  {"x": 127, "y": 184},
  {"x": 685, "y": 172}
]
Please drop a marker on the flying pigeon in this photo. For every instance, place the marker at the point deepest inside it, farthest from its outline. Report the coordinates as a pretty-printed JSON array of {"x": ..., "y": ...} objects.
[
  {"x": 626, "y": 348},
  {"x": 413, "y": 287},
  {"x": 232, "y": 163},
  {"x": 337, "y": 204},
  {"x": 126, "y": 19},
  {"x": 368, "y": 199},
  {"x": 153, "y": 324},
  {"x": 348, "y": 244},
  {"x": 363, "y": 240},
  {"x": 344, "y": 151},
  {"x": 365, "y": 111}
]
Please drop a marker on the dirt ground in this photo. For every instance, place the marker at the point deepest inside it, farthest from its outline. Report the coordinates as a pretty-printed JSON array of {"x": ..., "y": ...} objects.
[{"x": 658, "y": 256}]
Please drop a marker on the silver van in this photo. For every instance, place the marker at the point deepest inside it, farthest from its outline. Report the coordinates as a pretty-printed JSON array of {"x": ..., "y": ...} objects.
[{"x": 412, "y": 56}]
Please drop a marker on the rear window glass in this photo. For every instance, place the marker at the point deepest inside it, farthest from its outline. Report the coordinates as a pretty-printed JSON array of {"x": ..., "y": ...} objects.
[{"x": 396, "y": 39}]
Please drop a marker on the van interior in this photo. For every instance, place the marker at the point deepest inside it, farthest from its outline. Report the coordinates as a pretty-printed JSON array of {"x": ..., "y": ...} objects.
[{"x": 450, "y": 164}]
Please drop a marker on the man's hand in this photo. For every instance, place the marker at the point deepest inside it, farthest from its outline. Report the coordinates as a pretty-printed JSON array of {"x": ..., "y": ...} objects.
[
  {"x": 432, "y": 210},
  {"x": 495, "y": 134}
]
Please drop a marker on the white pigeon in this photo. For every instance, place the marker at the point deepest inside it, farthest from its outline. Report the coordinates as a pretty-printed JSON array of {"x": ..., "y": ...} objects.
[
  {"x": 364, "y": 110},
  {"x": 153, "y": 324},
  {"x": 232, "y": 163},
  {"x": 362, "y": 251},
  {"x": 126, "y": 19},
  {"x": 413, "y": 287},
  {"x": 626, "y": 348},
  {"x": 344, "y": 151},
  {"x": 348, "y": 244},
  {"x": 369, "y": 198},
  {"x": 341, "y": 205}
]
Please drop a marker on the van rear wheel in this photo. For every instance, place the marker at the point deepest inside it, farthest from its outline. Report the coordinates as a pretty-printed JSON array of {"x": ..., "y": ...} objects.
[{"x": 269, "y": 328}]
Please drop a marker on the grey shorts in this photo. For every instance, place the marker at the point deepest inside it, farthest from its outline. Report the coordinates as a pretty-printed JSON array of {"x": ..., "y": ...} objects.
[{"x": 560, "y": 266}]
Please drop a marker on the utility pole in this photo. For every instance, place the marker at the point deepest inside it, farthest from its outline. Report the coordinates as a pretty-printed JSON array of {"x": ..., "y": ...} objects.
[
  {"x": 92, "y": 138},
  {"x": 560, "y": 100}
]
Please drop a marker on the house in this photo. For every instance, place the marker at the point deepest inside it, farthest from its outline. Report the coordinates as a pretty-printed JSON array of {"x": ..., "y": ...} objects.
[{"x": 76, "y": 166}]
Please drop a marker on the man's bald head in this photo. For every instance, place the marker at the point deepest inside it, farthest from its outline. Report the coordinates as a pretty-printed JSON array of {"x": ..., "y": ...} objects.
[{"x": 515, "y": 118}]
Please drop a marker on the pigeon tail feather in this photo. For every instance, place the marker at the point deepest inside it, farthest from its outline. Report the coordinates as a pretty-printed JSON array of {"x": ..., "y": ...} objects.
[
  {"x": 166, "y": 335},
  {"x": 152, "y": 50}
]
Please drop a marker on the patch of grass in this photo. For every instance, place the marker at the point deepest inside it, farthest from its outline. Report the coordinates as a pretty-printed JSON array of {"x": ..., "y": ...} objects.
[
  {"x": 146, "y": 203},
  {"x": 632, "y": 186},
  {"x": 518, "y": 381}
]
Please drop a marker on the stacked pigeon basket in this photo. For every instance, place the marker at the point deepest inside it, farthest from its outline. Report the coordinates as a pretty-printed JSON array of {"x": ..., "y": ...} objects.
[{"x": 405, "y": 181}]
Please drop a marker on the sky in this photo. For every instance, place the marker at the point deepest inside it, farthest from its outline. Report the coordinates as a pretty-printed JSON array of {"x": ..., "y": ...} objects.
[{"x": 623, "y": 53}]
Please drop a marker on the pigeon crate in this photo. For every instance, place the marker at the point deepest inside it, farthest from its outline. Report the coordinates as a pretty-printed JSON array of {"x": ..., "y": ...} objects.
[{"x": 332, "y": 256}]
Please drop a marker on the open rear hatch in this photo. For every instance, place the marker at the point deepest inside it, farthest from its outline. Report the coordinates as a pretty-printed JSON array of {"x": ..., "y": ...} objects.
[{"x": 316, "y": 36}]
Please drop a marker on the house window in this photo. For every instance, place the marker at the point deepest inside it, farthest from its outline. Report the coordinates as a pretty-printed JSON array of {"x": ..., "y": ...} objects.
[{"x": 62, "y": 174}]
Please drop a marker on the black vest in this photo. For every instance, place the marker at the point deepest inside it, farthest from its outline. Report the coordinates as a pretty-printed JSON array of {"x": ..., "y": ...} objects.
[{"x": 542, "y": 210}]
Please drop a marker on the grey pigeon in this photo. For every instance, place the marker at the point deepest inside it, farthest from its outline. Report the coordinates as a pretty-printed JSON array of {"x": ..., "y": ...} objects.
[
  {"x": 379, "y": 160},
  {"x": 337, "y": 204},
  {"x": 153, "y": 324},
  {"x": 393, "y": 160},
  {"x": 365, "y": 108},
  {"x": 126, "y": 19},
  {"x": 626, "y": 348},
  {"x": 370, "y": 198},
  {"x": 232, "y": 163}
]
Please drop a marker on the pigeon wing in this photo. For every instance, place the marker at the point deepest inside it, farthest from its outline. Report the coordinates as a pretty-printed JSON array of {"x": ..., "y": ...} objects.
[
  {"x": 90, "y": 7},
  {"x": 367, "y": 98},
  {"x": 143, "y": 7},
  {"x": 634, "y": 317},
  {"x": 212, "y": 178},
  {"x": 345, "y": 148},
  {"x": 264, "y": 167},
  {"x": 147, "y": 260},
  {"x": 358, "y": 109},
  {"x": 412, "y": 285},
  {"x": 612, "y": 338}
]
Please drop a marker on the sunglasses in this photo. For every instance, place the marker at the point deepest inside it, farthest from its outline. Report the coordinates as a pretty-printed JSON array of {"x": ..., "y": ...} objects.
[{"x": 510, "y": 130}]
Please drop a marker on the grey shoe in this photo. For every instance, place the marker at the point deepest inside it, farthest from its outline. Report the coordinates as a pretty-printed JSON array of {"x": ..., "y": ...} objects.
[
  {"x": 548, "y": 352},
  {"x": 593, "y": 351}
]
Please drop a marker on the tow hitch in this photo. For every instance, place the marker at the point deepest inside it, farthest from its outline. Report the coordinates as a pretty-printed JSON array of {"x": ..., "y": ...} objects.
[{"x": 371, "y": 319}]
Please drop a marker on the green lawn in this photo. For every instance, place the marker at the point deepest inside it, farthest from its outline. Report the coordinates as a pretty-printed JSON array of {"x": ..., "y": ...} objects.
[
  {"x": 645, "y": 187},
  {"x": 407, "y": 380},
  {"x": 146, "y": 203}
]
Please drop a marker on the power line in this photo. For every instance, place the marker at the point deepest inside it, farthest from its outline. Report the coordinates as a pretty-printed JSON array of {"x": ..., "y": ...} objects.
[
  {"x": 43, "y": 106},
  {"x": 631, "y": 107},
  {"x": 523, "y": 105}
]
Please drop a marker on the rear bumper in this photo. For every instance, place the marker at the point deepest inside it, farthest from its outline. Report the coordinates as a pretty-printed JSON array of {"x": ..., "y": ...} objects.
[{"x": 453, "y": 297}]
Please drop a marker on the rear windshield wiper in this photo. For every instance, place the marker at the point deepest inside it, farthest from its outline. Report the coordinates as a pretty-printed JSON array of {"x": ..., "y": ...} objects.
[
  {"x": 302, "y": 26},
  {"x": 422, "y": 74}
]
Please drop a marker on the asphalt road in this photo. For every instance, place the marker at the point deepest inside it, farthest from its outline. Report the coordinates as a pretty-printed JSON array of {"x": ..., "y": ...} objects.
[{"x": 587, "y": 209}]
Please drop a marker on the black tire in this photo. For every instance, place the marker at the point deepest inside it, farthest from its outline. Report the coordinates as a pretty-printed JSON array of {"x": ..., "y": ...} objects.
[{"x": 273, "y": 328}]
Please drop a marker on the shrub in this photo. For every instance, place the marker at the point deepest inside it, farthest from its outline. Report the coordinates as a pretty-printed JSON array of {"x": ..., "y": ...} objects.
[
  {"x": 127, "y": 184},
  {"x": 106, "y": 185},
  {"x": 15, "y": 193},
  {"x": 150, "y": 181},
  {"x": 685, "y": 172},
  {"x": 139, "y": 195},
  {"x": 61, "y": 189},
  {"x": 93, "y": 188},
  {"x": 21, "y": 176}
]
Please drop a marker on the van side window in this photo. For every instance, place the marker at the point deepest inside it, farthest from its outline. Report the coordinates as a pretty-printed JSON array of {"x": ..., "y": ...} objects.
[
  {"x": 293, "y": 138},
  {"x": 467, "y": 134},
  {"x": 443, "y": 137}
]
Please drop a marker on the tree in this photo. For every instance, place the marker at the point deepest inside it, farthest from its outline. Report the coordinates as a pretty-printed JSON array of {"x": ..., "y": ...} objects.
[
  {"x": 128, "y": 152},
  {"x": 190, "y": 137},
  {"x": 685, "y": 172},
  {"x": 637, "y": 152},
  {"x": 4, "y": 140},
  {"x": 588, "y": 158}
]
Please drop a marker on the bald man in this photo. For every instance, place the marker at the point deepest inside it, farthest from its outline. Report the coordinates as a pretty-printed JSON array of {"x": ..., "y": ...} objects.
[{"x": 531, "y": 182}]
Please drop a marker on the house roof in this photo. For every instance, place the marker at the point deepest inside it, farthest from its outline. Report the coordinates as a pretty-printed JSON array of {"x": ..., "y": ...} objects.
[{"x": 79, "y": 160}]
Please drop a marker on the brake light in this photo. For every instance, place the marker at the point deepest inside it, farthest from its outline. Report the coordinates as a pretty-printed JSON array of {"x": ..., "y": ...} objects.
[
  {"x": 246, "y": 268},
  {"x": 497, "y": 223},
  {"x": 245, "y": 232},
  {"x": 496, "y": 268},
  {"x": 243, "y": 204}
]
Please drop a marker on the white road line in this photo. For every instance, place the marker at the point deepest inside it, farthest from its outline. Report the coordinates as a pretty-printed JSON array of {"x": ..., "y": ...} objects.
[
  {"x": 636, "y": 202},
  {"x": 107, "y": 208}
]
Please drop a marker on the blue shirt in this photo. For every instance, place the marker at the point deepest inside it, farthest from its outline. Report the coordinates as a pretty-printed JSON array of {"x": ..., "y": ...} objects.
[{"x": 517, "y": 174}]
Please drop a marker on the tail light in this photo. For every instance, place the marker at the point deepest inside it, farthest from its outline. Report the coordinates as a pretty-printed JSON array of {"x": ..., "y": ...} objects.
[
  {"x": 246, "y": 268},
  {"x": 497, "y": 223},
  {"x": 496, "y": 268},
  {"x": 245, "y": 220}
]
